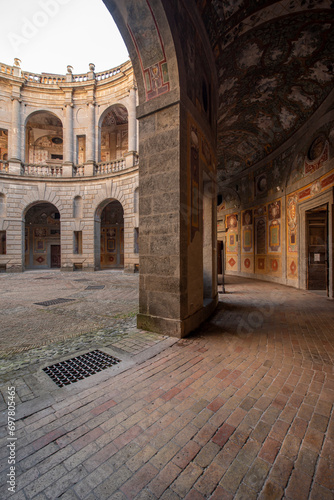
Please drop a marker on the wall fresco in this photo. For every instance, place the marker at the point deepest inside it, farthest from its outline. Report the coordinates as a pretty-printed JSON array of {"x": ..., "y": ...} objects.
[{"x": 146, "y": 36}]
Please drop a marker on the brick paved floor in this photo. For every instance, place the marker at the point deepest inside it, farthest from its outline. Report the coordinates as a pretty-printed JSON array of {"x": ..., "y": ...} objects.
[{"x": 242, "y": 409}]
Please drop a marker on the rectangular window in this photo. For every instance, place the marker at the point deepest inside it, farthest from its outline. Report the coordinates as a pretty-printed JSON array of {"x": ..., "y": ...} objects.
[
  {"x": 81, "y": 149},
  {"x": 2, "y": 242},
  {"x": 136, "y": 249},
  {"x": 77, "y": 243}
]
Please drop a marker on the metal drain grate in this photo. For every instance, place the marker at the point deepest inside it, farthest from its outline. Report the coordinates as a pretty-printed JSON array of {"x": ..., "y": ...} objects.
[
  {"x": 83, "y": 279},
  {"x": 72, "y": 370},
  {"x": 53, "y": 302},
  {"x": 95, "y": 287}
]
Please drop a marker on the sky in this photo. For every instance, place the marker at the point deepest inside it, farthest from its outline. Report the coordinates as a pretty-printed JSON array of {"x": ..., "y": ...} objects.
[{"x": 48, "y": 35}]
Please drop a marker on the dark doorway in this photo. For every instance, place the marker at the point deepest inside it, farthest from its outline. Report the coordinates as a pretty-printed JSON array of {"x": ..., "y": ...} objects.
[
  {"x": 55, "y": 256},
  {"x": 317, "y": 244}
]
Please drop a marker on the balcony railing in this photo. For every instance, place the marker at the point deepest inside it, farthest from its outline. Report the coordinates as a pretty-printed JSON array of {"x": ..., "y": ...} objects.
[
  {"x": 3, "y": 166},
  {"x": 42, "y": 170},
  {"x": 110, "y": 167},
  {"x": 58, "y": 169}
]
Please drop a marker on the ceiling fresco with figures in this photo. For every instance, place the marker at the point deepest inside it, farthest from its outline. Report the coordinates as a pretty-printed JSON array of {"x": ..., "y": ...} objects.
[
  {"x": 275, "y": 65},
  {"x": 116, "y": 115}
]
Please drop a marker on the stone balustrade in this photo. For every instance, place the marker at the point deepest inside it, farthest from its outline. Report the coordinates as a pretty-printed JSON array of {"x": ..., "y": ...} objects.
[
  {"x": 44, "y": 78},
  {"x": 56, "y": 170},
  {"x": 51, "y": 79},
  {"x": 79, "y": 170},
  {"x": 3, "y": 166},
  {"x": 110, "y": 167},
  {"x": 8, "y": 70},
  {"x": 43, "y": 170}
]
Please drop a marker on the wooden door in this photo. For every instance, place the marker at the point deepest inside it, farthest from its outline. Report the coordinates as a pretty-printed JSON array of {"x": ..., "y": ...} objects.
[
  {"x": 317, "y": 276},
  {"x": 55, "y": 256}
]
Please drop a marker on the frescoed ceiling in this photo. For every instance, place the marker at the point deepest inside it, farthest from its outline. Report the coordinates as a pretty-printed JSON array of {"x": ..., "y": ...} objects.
[
  {"x": 117, "y": 115},
  {"x": 275, "y": 65}
]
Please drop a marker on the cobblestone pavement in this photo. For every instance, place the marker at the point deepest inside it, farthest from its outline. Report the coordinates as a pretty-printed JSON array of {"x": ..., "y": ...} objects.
[
  {"x": 242, "y": 409},
  {"x": 25, "y": 324}
]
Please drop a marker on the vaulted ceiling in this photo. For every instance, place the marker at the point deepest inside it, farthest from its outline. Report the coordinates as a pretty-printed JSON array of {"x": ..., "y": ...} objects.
[{"x": 275, "y": 63}]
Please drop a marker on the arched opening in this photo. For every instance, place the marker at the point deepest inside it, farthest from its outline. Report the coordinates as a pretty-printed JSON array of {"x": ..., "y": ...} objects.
[
  {"x": 114, "y": 133},
  {"x": 3, "y": 145},
  {"x": 109, "y": 235},
  {"x": 42, "y": 237},
  {"x": 44, "y": 139}
]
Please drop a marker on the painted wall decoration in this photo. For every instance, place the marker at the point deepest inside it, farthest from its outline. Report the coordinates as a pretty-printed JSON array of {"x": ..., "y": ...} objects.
[
  {"x": 247, "y": 231},
  {"x": 232, "y": 242},
  {"x": 260, "y": 235},
  {"x": 274, "y": 216},
  {"x": 292, "y": 224},
  {"x": 318, "y": 154},
  {"x": 147, "y": 39}
]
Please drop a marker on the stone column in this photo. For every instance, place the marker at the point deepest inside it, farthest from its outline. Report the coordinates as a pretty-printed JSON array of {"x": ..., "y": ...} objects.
[
  {"x": 15, "y": 138},
  {"x": 68, "y": 142},
  {"x": 132, "y": 128},
  {"x": 132, "y": 121},
  {"x": 90, "y": 140}
]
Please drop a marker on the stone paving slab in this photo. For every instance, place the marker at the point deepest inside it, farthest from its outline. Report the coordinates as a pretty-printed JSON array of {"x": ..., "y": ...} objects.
[
  {"x": 242, "y": 409},
  {"x": 26, "y": 325}
]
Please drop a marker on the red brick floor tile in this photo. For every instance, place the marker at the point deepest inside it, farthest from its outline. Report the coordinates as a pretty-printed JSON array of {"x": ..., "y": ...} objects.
[
  {"x": 224, "y": 373},
  {"x": 223, "y": 434},
  {"x": 271, "y": 491},
  {"x": 163, "y": 480},
  {"x": 139, "y": 480},
  {"x": 221, "y": 494},
  {"x": 299, "y": 485},
  {"x": 298, "y": 427},
  {"x": 170, "y": 394},
  {"x": 269, "y": 450},
  {"x": 325, "y": 474},
  {"x": 128, "y": 436},
  {"x": 48, "y": 438},
  {"x": 209, "y": 480},
  {"x": 103, "y": 407},
  {"x": 87, "y": 438},
  {"x": 216, "y": 404},
  {"x": 186, "y": 454}
]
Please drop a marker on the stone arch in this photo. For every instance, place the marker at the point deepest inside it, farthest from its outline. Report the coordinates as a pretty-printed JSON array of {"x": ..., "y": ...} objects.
[
  {"x": 148, "y": 53},
  {"x": 43, "y": 136},
  {"x": 41, "y": 195},
  {"x": 109, "y": 234},
  {"x": 111, "y": 192},
  {"x": 42, "y": 236},
  {"x": 57, "y": 113},
  {"x": 113, "y": 132}
]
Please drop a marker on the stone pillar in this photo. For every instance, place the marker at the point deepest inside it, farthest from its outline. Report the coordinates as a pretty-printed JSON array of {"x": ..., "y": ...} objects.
[
  {"x": 130, "y": 157},
  {"x": 68, "y": 142},
  {"x": 90, "y": 140},
  {"x": 132, "y": 120},
  {"x": 15, "y": 138}
]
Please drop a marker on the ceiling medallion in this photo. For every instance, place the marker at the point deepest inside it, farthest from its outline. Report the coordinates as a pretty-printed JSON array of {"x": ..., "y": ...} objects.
[
  {"x": 57, "y": 140},
  {"x": 317, "y": 147}
]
